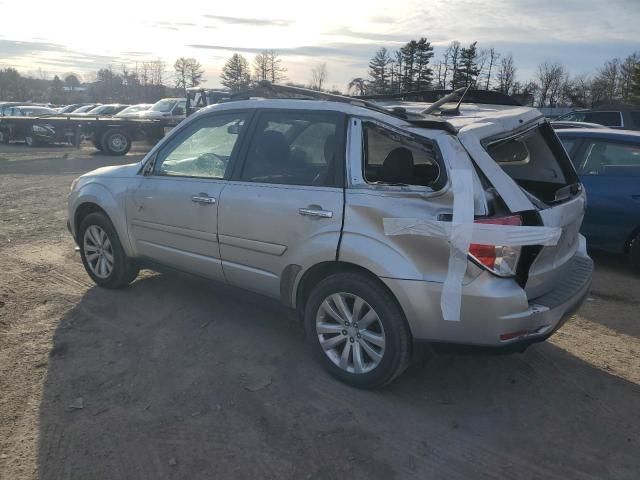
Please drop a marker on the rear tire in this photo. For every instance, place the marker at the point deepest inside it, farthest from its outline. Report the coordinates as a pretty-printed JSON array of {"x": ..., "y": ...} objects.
[
  {"x": 373, "y": 346},
  {"x": 116, "y": 142},
  {"x": 102, "y": 254}
]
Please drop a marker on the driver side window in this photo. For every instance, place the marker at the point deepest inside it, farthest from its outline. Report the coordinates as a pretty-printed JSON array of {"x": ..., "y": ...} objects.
[{"x": 204, "y": 149}]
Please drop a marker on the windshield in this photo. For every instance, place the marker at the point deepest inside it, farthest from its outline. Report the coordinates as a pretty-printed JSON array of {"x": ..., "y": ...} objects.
[
  {"x": 33, "y": 111},
  {"x": 86, "y": 108},
  {"x": 134, "y": 109},
  {"x": 163, "y": 106}
]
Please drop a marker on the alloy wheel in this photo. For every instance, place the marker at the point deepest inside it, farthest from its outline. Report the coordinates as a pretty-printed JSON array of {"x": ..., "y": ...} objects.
[
  {"x": 350, "y": 332},
  {"x": 98, "y": 251}
]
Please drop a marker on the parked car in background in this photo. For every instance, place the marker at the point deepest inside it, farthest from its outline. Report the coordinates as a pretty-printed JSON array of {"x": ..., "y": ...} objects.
[
  {"x": 288, "y": 198},
  {"x": 107, "y": 110},
  {"x": 560, "y": 124},
  {"x": 83, "y": 110},
  {"x": 167, "y": 108},
  {"x": 21, "y": 131},
  {"x": 72, "y": 107},
  {"x": 5, "y": 107},
  {"x": 626, "y": 118},
  {"x": 134, "y": 110},
  {"x": 608, "y": 163}
]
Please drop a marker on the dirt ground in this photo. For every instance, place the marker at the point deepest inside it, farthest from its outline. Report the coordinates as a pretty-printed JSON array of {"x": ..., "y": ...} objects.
[{"x": 176, "y": 377}]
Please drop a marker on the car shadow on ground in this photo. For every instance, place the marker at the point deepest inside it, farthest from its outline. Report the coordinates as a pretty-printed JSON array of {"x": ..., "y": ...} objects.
[{"x": 177, "y": 377}]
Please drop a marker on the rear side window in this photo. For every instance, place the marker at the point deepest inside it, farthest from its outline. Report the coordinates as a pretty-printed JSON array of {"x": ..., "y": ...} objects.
[
  {"x": 297, "y": 148},
  {"x": 608, "y": 119},
  {"x": 394, "y": 159},
  {"x": 635, "y": 117},
  {"x": 602, "y": 157}
]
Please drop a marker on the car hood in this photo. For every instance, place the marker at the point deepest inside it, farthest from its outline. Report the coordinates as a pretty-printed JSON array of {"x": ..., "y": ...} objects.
[{"x": 115, "y": 171}]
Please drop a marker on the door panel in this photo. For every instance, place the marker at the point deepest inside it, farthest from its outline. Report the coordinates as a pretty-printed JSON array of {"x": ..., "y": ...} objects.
[
  {"x": 285, "y": 205},
  {"x": 173, "y": 213},
  {"x": 169, "y": 227},
  {"x": 262, "y": 231}
]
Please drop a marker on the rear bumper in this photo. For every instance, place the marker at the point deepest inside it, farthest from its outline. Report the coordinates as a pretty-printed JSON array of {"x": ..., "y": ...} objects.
[{"x": 495, "y": 312}]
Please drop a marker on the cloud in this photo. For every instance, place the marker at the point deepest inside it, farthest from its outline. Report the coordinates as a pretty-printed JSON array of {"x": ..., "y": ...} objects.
[
  {"x": 174, "y": 25},
  {"x": 256, "y": 22},
  {"x": 333, "y": 50}
]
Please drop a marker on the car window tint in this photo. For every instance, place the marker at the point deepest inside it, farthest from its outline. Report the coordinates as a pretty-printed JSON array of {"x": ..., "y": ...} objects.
[
  {"x": 296, "y": 148},
  {"x": 635, "y": 117},
  {"x": 390, "y": 158},
  {"x": 608, "y": 119},
  {"x": 569, "y": 144},
  {"x": 204, "y": 149},
  {"x": 603, "y": 157},
  {"x": 573, "y": 117}
]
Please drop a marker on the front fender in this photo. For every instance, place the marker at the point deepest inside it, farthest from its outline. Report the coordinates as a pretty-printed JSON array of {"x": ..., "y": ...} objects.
[{"x": 113, "y": 203}]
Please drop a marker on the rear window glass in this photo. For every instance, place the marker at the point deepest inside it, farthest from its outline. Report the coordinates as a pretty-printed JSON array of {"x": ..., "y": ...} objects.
[
  {"x": 393, "y": 159},
  {"x": 536, "y": 161},
  {"x": 608, "y": 119}
]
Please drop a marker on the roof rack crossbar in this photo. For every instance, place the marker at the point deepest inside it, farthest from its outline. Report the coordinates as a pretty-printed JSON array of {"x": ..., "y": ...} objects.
[
  {"x": 315, "y": 94},
  {"x": 266, "y": 88}
]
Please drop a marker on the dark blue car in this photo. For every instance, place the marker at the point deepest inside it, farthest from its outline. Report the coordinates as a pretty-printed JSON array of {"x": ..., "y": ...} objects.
[{"x": 608, "y": 162}]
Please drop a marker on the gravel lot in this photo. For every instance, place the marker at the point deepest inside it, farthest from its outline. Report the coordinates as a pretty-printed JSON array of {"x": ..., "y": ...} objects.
[{"x": 176, "y": 377}]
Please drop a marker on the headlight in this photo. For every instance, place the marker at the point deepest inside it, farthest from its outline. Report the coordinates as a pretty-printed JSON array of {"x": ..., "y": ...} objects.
[{"x": 74, "y": 183}]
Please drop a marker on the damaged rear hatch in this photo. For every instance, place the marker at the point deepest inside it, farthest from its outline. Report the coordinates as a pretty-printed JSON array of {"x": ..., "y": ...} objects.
[{"x": 540, "y": 184}]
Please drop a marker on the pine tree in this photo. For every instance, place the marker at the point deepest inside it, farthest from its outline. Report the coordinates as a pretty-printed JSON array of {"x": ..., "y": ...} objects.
[
  {"x": 423, "y": 55},
  {"x": 235, "y": 73},
  {"x": 379, "y": 70},
  {"x": 468, "y": 70}
]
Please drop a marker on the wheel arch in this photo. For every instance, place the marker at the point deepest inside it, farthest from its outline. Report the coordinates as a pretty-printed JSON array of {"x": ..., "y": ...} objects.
[
  {"x": 318, "y": 272},
  {"x": 96, "y": 198}
]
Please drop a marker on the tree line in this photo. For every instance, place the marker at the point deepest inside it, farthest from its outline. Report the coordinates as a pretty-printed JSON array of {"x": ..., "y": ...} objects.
[
  {"x": 413, "y": 68},
  {"x": 141, "y": 82}
]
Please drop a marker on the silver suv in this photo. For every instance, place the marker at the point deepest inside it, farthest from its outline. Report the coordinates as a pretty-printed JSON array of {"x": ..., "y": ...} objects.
[{"x": 338, "y": 209}]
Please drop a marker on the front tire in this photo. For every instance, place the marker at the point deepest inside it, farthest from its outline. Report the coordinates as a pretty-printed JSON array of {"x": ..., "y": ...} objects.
[
  {"x": 102, "y": 254},
  {"x": 357, "y": 330}
]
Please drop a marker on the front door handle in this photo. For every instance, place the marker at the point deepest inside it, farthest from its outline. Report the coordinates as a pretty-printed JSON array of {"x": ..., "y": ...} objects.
[
  {"x": 203, "y": 199},
  {"x": 315, "y": 212}
]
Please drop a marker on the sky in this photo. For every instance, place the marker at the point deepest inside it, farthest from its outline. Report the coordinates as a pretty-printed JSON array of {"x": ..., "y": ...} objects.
[{"x": 52, "y": 37}]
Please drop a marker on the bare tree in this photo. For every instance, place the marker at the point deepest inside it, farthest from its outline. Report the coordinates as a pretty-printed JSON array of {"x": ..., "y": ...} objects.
[
  {"x": 550, "y": 79},
  {"x": 319, "y": 75},
  {"x": 506, "y": 75},
  {"x": 188, "y": 73},
  {"x": 358, "y": 85},
  {"x": 453, "y": 61},
  {"x": 261, "y": 67},
  {"x": 493, "y": 58}
]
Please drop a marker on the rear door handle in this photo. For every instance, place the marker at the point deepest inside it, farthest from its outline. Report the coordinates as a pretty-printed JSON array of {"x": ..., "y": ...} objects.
[
  {"x": 313, "y": 212},
  {"x": 203, "y": 199}
]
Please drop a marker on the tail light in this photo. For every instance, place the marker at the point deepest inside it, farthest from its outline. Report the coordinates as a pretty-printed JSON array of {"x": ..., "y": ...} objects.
[{"x": 500, "y": 259}]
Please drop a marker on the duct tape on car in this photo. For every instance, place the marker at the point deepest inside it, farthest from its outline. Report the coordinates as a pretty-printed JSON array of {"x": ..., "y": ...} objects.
[{"x": 461, "y": 232}]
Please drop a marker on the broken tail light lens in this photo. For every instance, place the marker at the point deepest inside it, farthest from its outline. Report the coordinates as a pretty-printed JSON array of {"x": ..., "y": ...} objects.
[{"x": 501, "y": 260}]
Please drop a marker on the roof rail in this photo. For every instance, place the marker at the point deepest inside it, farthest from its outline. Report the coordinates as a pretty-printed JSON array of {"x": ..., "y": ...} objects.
[
  {"x": 472, "y": 96},
  {"x": 267, "y": 89}
]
